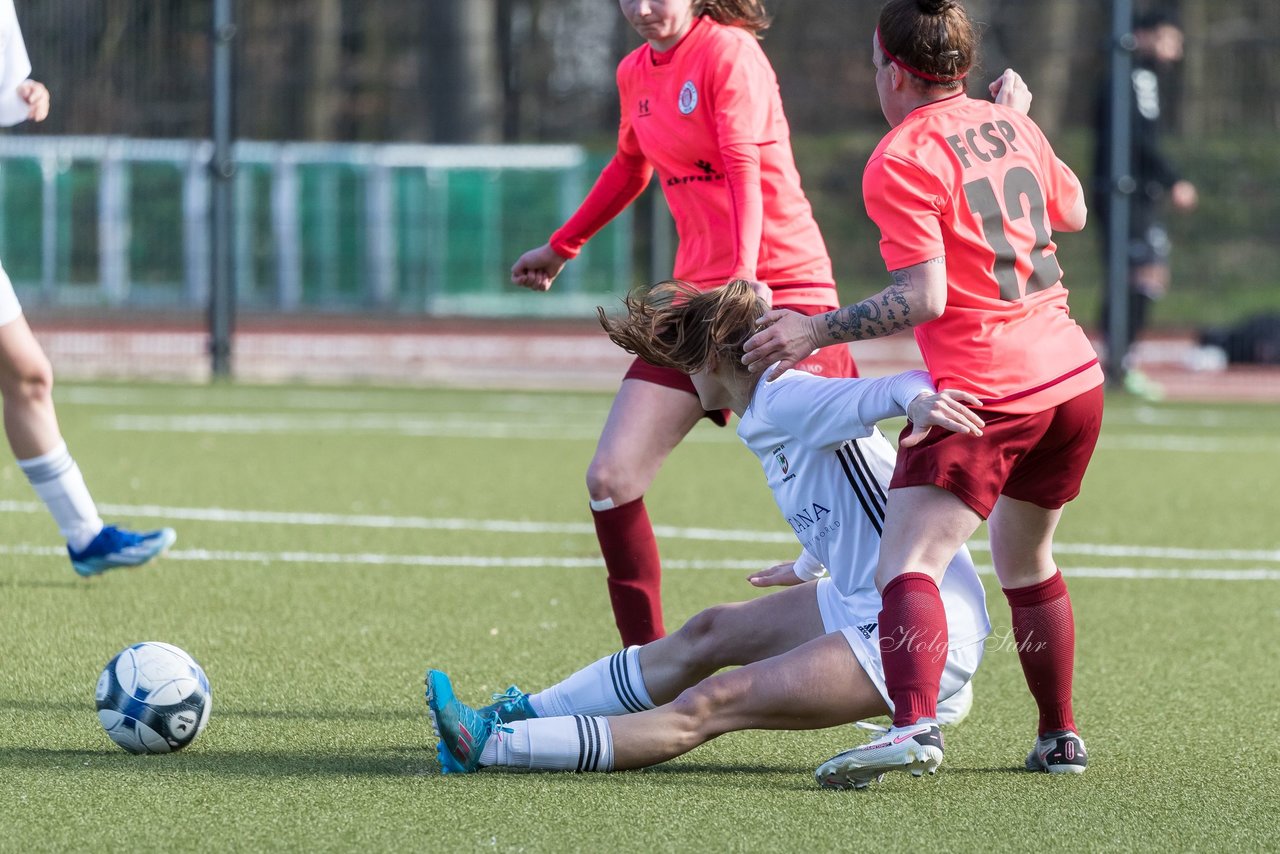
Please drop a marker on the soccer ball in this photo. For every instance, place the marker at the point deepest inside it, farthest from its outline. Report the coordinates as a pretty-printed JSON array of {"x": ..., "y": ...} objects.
[{"x": 153, "y": 698}]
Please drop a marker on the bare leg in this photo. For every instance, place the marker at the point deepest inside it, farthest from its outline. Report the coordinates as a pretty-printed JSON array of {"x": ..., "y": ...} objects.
[
  {"x": 924, "y": 528},
  {"x": 26, "y": 384},
  {"x": 821, "y": 684},
  {"x": 1022, "y": 542},
  {"x": 724, "y": 635},
  {"x": 646, "y": 422}
]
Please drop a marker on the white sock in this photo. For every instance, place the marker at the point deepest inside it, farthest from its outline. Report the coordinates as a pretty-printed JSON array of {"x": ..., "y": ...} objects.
[
  {"x": 58, "y": 482},
  {"x": 611, "y": 686},
  {"x": 569, "y": 743}
]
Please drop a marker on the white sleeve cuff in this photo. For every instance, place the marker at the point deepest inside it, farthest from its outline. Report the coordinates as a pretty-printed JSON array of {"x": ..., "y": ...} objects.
[
  {"x": 910, "y": 385},
  {"x": 808, "y": 567}
]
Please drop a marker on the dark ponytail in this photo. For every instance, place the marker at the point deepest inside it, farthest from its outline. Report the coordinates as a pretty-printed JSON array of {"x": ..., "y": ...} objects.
[{"x": 933, "y": 40}]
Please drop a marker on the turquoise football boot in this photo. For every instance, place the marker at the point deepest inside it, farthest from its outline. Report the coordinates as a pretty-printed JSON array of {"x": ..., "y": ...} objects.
[
  {"x": 461, "y": 729},
  {"x": 513, "y": 705}
]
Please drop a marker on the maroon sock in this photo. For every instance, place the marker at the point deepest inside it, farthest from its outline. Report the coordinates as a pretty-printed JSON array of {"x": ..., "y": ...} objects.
[
  {"x": 635, "y": 571},
  {"x": 1045, "y": 632},
  {"x": 913, "y": 645}
]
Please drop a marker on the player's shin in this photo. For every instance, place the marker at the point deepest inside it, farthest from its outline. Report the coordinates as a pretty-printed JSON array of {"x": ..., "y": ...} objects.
[
  {"x": 568, "y": 743},
  {"x": 611, "y": 686}
]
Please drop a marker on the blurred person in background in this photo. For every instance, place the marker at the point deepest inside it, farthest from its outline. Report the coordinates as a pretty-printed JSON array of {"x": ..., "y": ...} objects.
[
  {"x": 26, "y": 378},
  {"x": 700, "y": 106},
  {"x": 1158, "y": 41}
]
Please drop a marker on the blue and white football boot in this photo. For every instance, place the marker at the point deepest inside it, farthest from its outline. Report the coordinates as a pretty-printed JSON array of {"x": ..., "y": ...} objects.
[
  {"x": 115, "y": 547},
  {"x": 461, "y": 729}
]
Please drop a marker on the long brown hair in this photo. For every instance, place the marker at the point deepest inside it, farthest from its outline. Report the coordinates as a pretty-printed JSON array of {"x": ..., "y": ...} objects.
[
  {"x": 933, "y": 40},
  {"x": 675, "y": 325},
  {"x": 748, "y": 14}
]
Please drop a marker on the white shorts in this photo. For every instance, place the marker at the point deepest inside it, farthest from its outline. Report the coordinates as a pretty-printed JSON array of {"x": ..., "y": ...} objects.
[
  {"x": 10, "y": 310},
  {"x": 860, "y": 631}
]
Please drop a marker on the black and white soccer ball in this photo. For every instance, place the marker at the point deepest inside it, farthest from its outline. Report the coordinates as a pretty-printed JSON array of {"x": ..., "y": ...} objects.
[{"x": 153, "y": 698}]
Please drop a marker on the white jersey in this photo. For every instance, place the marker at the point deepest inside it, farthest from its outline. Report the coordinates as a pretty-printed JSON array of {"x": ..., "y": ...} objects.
[
  {"x": 829, "y": 470},
  {"x": 14, "y": 70},
  {"x": 15, "y": 67}
]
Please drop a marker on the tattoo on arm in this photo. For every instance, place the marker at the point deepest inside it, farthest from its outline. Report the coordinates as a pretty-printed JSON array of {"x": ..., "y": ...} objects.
[{"x": 884, "y": 314}]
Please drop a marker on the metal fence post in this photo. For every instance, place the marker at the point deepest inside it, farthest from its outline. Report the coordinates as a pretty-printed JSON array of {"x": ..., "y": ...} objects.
[
  {"x": 222, "y": 301},
  {"x": 195, "y": 226},
  {"x": 113, "y": 229},
  {"x": 380, "y": 239},
  {"x": 49, "y": 226},
  {"x": 1121, "y": 183},
  {"x": 285, "y": 230}
]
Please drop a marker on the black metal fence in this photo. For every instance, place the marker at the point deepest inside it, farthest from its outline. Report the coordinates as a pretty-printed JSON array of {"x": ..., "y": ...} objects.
[{"x": 524, "y": 71}]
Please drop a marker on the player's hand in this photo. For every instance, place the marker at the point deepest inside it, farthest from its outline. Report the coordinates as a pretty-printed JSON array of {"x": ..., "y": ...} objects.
[
  {"x": 1183, "y": 195},
  {"x": 36, "y": 94},
  {"x": 946, "y": 409},
  {"x": 538, "y": 268},
  {"x": 786, "y": 337},
  {"x": 782, "y": 575},
  {"x": 1010, "y": 90}
]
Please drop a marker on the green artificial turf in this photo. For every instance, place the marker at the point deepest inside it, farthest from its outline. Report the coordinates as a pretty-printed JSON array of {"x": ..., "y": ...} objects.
[{"x": 315, "y": 631}]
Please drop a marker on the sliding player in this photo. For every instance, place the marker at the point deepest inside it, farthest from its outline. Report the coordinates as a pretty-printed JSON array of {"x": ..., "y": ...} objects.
[{"x": 813, "y": 651}]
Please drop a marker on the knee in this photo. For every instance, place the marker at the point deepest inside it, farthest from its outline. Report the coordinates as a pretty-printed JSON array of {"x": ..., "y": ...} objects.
[
  {"x": 28, "y": 381},
  {"x": 697, "y": 707},
  {"x": 609, "y": 478},
  {"x": 704, "y": 641}
]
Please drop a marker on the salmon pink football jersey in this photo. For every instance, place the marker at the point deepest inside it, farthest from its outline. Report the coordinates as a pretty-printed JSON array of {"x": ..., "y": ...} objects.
[
  {"x": 679, "y": 109},
  {"x": 978, "y": 183}
]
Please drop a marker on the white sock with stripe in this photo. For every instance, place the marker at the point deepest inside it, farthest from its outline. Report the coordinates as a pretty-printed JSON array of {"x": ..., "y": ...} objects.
[
  {"x": 569, "y": 743},
  {"x": 611, "y": 686},
  {"x": 59, "y": 484}
]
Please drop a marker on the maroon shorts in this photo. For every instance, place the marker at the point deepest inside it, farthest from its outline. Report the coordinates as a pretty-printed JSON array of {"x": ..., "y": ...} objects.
[
  {"x": 826, "y": 362},
  {"x": 1040, "y": 457}
]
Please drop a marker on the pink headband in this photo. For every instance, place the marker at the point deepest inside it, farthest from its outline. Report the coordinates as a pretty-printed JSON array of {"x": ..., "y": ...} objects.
[{"x": 916, "y": 71}]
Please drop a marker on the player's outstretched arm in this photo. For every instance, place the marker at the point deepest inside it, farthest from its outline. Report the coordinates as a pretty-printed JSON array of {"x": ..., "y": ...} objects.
[
  {"x": 948, "y": 409},
  {"x": 538, "y": 268},
  {"x": 780, "y": 575},
  {"x": 798, "y": 571}
]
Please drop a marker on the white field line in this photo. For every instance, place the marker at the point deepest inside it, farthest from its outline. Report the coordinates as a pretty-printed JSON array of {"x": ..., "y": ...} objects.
[
  {"x": 552, "y": 426},
  {"x": 1188, "y": 444},
  {"x": 463, "y": 427},
  {"x": 552, "y": 562},
  {"x": 511, "y": 526},
  {"x": 275, "y": 398}
]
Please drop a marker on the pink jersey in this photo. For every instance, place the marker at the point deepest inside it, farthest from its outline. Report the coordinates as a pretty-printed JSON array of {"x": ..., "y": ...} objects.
[
  {"x": 680, "y": 109},
  {"x": 979, "y": 184}
]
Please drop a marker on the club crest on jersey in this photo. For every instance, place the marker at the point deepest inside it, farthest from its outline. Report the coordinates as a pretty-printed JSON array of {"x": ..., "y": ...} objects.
[
  {"x": 688, "y": 97},
  {"x": 782, "y": 461}
]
